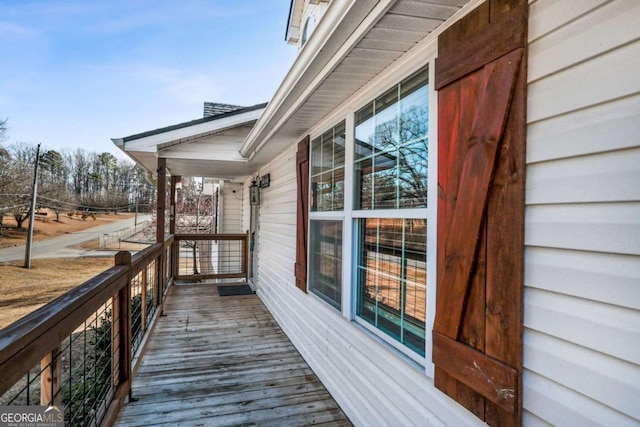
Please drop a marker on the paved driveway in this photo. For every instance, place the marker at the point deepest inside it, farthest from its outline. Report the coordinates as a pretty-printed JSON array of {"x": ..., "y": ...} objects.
[{"x": 58, "y": 247}]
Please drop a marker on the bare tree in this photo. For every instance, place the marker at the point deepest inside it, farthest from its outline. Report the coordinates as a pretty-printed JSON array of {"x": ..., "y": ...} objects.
[
  {"x": 69, "y": 181},
  {"x": 17, "y": 184},
  {"x": 5, "y": 173},
  {"x": 5, "y": 159},
  {"x": 3, "y": 129},
  {"x": 398, "y": 173},
  {"x": 194, "y": 214}
]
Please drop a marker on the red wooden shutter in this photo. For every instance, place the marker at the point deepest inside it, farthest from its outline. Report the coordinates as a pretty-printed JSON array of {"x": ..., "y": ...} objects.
[
  {"x": 481, "y": 83},
  {"x": 302, "y": 175}
]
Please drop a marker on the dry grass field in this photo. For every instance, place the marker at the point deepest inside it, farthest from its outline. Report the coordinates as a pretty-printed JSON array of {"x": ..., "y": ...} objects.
[
  {"x": 46, "y": 227},
  {"x": 25, "y": 290}
]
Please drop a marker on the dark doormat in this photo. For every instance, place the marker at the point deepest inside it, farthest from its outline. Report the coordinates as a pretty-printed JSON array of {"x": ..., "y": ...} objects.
[{"x": 227, "y": 291}]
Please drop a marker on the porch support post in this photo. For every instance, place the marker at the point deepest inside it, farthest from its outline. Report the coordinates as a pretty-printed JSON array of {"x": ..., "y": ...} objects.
[
  {"x": 124, "y": 320},
  {"x": 50, "y": 379},
  {"x": 162, "y": 185},
  {"x": 172, "y": 203}
]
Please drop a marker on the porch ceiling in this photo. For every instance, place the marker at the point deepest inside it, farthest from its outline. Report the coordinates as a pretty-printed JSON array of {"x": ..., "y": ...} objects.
[{"x": 349, "y": 48}]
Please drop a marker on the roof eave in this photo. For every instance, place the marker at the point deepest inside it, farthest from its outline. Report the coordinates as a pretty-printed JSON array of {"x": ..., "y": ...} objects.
[
  {"x": 293, "y": 23},
  {"x": 338, "y": 33},
  {"x": 175, "y": 134},
  {"x": 324, "y": 35}
]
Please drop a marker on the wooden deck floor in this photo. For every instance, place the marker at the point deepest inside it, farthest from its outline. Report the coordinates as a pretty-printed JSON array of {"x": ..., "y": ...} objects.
[{"x": 222, "y": 361}]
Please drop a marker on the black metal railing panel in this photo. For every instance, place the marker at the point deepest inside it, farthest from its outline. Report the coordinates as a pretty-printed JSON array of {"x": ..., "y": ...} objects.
[
  {"x": 211, "y": 256},
  {"x": 76, "y": 353}
]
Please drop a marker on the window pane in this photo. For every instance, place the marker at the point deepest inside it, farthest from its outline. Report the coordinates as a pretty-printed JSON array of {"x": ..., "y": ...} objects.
[
  {"x": 322, "y": 192},
  {"x": 365, "y": 136},
  {"x": 386, "y": 121},
  {"x": 392, "y": 278},
  {"x": 316, "y": 156},
  {"x": 338, "y": 189},
  {"x": 391, "y": 148},
  {"x": 325, "y": 261},
  {"x": 384, "y": 176},
  {"x": 338, "y": 146},
  {"x": 327, "y": 170},
  {"x": 363, "y": 183},
  {"x": 327, "y": 151},
  {"x": 412, "y": 175}
]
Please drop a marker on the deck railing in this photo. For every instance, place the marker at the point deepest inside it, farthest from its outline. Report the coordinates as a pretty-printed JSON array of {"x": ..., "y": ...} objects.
[
  {"x": 81, "y": 350},
  {"x": 211, "y": 256}
]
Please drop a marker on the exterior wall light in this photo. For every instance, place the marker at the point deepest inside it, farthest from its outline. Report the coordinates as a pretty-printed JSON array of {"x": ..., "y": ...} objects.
[{"x": 254, "y": 193}]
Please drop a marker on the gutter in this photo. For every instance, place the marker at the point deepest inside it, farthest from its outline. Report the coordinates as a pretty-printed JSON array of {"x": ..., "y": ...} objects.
[
  {"x": 320, "y": 41},
  {"x": 148, "y": 175}
]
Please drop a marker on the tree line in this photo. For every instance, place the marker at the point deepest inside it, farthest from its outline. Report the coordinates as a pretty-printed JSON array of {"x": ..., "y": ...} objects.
[{"x": 68, "y": 181}]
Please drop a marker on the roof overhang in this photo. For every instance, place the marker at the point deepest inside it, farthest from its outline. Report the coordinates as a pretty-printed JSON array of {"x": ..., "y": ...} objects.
[
  {"x": 294, "y": 22},
  {"x": 354, "y": 42},
  {"x": 208, "y": 147}
]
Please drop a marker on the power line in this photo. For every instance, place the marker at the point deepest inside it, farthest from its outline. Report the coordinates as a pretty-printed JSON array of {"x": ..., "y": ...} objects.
[{"x": 70, "y": 204}]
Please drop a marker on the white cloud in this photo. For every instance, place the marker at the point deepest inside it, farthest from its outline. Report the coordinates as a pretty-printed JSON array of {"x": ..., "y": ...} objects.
[{"x": 8, "y": 29}]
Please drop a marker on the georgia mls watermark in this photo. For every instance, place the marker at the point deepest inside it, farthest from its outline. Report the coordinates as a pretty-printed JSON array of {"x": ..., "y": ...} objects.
[{"x": 31, "y": 416}]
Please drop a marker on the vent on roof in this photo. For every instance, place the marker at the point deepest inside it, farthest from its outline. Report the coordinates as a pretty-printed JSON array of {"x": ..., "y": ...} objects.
[{"x": 214, "y": 108}]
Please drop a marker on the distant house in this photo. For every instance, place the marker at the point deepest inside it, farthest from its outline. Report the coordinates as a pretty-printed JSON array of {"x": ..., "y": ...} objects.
[{"x": 450, "y": 233}]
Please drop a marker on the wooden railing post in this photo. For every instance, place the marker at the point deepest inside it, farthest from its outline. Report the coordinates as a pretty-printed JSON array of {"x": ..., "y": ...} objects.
[
  {"x": 175, "y": 247},
  {"x": 165, "y": 272},
  {"x": 50, "y": 379},
  {"x": 143, "y": 295},
  {"x": 159, "y": 287},
  {"x": 124, "y": 320},
  {"x": 116, "y": 340},
  {"x": 168, "y": 264},
  {"x": 245, "y": 256},
  {"x": 172, "y": 203},
  {"x": 161, "y": 199}
]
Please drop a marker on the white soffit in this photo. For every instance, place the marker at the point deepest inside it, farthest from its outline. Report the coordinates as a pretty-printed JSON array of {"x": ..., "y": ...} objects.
[
  {"x": 208, "y": 147},
  {"x": 353, "y": 43},
  {"x": 295, "y": 19},
  {"x": 159, "y": 140}
]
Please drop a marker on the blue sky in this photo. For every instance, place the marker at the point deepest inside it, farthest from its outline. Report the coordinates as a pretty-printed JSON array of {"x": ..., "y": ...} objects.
[{"x": 76, "y": 73}]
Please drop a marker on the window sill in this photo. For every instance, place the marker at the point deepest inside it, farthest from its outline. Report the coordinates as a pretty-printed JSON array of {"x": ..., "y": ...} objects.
[{"x": 410, "y": 357}]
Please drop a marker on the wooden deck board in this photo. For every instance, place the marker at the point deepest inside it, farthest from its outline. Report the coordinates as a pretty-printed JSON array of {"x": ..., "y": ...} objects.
[{"x": 215, "y": 361}]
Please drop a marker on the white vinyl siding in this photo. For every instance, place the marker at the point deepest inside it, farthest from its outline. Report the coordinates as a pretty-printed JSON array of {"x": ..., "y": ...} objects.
[
  {"x": 276, "y": 236},
  {"x": 374, "y": 383},
  {"x": 231, "y": 208},
  {"x": 582, "y": 233},
  {"x": 582, "y": 254},
  {"x": 371, "y": 381},
  {"x": 246, "y": 206}
]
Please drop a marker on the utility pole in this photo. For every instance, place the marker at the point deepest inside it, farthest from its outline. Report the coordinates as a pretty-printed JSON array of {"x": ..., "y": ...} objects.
[
  {"x": 32, "y": 214},
  {"x": 135, "y": 220}
]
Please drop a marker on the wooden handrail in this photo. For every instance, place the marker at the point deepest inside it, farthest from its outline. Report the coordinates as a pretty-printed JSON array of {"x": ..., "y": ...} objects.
[
  {"x": 25, "y": 342},
  {"x": 223, "y": 236},
  {"x": 143, "y": 258}
]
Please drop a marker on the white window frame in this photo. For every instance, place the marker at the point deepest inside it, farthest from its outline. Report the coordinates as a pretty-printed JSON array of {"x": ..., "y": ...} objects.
[
  {"x": 422, "y": 55},
  {"x": 327, "y": 216},
  {"x": 399, "y": 213}
]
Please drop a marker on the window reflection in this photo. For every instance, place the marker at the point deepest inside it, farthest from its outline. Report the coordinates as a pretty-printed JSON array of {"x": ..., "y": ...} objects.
[
  {"x": 391, "y": 148},
  {"x": 327, "y": 170},
  {"x": 325, "y": 261},
  {"x": 392, "y": 277}
]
